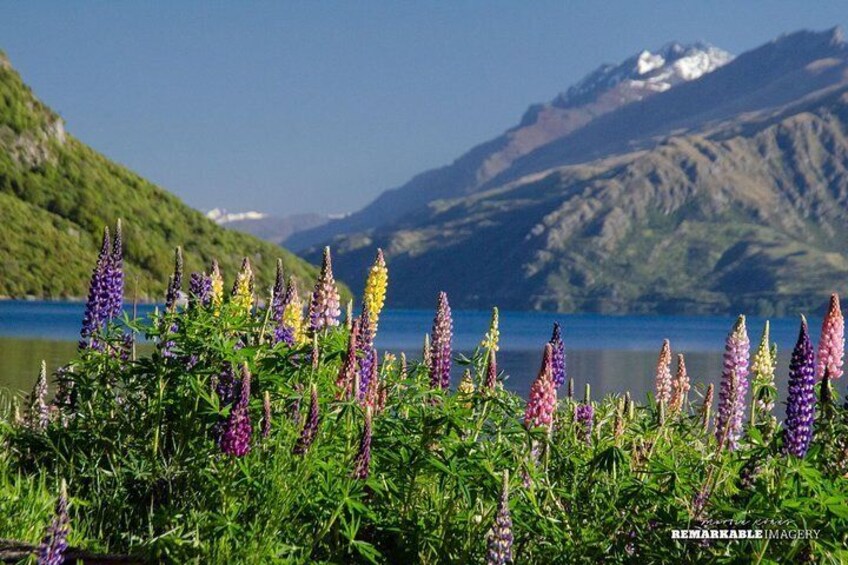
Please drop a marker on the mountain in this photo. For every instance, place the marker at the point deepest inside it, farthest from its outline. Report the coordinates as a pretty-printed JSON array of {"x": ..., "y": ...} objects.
[
  {"x": 57, "y": 194},
  {"x": 724, "y": 193},
  {"x": 606, "y": 89},
  {"x": 266, "y": 226}
]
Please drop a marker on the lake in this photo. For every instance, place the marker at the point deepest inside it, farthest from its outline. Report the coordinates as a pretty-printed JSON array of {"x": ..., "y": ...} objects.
[{"x": 612, "y": 353}]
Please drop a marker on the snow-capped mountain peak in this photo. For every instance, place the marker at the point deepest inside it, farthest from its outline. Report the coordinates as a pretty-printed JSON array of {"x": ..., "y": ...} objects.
[
  {"x": 650, "y": 71},
  {"x": 221, "y": 216}
]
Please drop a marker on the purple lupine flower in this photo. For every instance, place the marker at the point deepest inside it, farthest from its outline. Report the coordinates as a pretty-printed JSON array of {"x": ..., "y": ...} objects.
[
  {"x": 175, "y": 283},
  {"x": 558, "y": 359},
  {"x": 367, "y": 364},
  {"x": 278, "y": 304},
  {"x": 584, "y": 414},
  {"x": 731, "y": 409},
  {"x": 200, "y": 290},
  {"x": 266, "y": 414},
  {"x": 98, "y": 303},
  {"x": 543, "y": 397},
  {"x": 491, "y": 371},
  {"x": 501, "y": 537},
  {"x": 362, "y": 463},
  {"x": 324, "y": 308},
  {"x": 224, "y": 385},
  {"x": 236, "y": 437},
  {"x": 310, "y": 427},
  {"x": 284, "y": 334},
  {"x": 800, "y": 407},
  {"x": 114, "y": 276},
  {"x": 440, "y": 345},
  {"x": 55, "y": 542},
  {"x": 832, "y": 342},
  {"x": 347, "y": 378}
]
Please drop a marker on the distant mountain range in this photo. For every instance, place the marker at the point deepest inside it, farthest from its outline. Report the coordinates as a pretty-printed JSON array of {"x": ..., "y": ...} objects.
[
  {"x": 277, "y": 229},
  {"x": 682, "y": 180},
  {"x": 57, "y": 194}
]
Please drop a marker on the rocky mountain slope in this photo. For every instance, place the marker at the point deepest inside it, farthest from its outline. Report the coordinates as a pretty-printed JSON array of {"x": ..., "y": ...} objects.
[
  {"x": 722, "y": 193},
  {"x": 57, "y": 194}
]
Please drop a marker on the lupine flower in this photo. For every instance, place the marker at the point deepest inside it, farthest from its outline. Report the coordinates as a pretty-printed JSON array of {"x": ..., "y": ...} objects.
[
  {"x": 542, "y": 403},
  {"x": 175, "y": 283},
  {"x": 115, "y": 275},
  {"x": 762, "y": 382},
  {"x": 558, "y": 360},
  {"x": 490, "y": 340},
  {"x": 236, "y": 437},
  {"x": 347, "y": 378},
  {"x": 310, "y": 427},
  {"x": 440, "y": 347},
  {"x": 293, "y": 312},
  {"x": 375, "y": 289},
  {"x": 284, "y": 334},
  {"x": 278, "y": 294},
  {"x": 98, "y": 303},
  {"x": 680, "y": 385},
  {"x": 362, "y": 463},
  {"x": 731, "y": 408},
  {"x": 217, "y": 287},
  {"x": 55, "y": 542},
  {"x": 200, "y": 290},
  {"x": 800, "y": 407},
  {"x": 663, "y": 377},
  {"x": 324, "y": 308},
  {"x": 492, "y": 370},
  {"x": 38, "y": 415},
  {"x": 832, "y": 342},
  {"x": 584, "y": 416},
  {"x": 243, "y": 287},
  {"x": 266, "y": 414},
  {"x": 369, "y": 382},
  {"x": 501, "y": 537},
  {"x": 466, "y": 386},
  {"x": 403, "y": 366}
]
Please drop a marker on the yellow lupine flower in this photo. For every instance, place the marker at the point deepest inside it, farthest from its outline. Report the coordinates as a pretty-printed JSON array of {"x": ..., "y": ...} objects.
[
  {"x": 466, "y": 386},
  {"x": 490, "y": 340},
  {"x": 217, "y": 287},
  {"x": 375, "y": 288},
  {"x": 243, "y": 288},
  {"x": 293, "y": 314}
]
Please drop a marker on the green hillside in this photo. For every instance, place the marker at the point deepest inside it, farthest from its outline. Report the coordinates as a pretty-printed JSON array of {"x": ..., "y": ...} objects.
[{"x": 57, "y": 194}]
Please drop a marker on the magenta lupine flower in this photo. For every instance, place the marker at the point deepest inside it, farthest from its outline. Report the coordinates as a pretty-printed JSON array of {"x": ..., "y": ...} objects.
[
  {"x": 731, "y": 408},
  {"x": 800, "y": 407},
  {"x": 362, "y": 463},
  {"x": 324, "y": 308},
  {"x": 55, "y": 542},
  {"x": 584, "y": 415},
  {"x": 440, "y": 345},
  {"x": 832, "y": 342},
  {"x": 558, "y": 360},
  {"x": 98, "y": 305},
  {"x": 236, "y": 438},
  {"x": 492, "y": 371},
  {"x": 501, "y": 537},
  {"x": 115, "y": 276},
  {"x": 200, "y": 290},
  {"x": 279, "y": 294},
  {"x": 543, "y": 398},
  {"x": 175, "y": 283},
  {"x": 310, "y": 427}
]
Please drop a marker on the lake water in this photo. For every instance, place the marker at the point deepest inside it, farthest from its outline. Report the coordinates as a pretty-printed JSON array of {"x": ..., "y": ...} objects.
[{"x": 612, "y": 353}]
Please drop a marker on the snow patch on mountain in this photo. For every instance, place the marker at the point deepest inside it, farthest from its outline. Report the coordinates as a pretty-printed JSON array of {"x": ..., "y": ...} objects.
[{"x": 221, "y": 216}]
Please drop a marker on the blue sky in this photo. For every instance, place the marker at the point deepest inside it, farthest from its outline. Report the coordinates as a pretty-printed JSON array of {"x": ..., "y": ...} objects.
[{"x": 294, "y": 107}]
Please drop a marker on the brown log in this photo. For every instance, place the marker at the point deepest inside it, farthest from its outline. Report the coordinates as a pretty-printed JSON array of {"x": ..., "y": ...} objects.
[{"x": 13, "y": 551}]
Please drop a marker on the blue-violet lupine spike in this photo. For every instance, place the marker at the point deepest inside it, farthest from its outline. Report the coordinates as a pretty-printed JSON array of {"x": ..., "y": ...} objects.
[
  {"x": 55, "y": 542},
  {"x": 440, "y": 344},
  {"x": 279, "y": 294},
  {"x": 800, "y": 407},
  {"x": 362, "y": 463},
  {"x": 731, "y": 408},
  {"x": 558, "y": 360},
  {"x": 96, "y": 307},
  {"x": 310, "y": 427},
  {"x": 236, "y": 438},
  {"x": 501, "y": 536}
]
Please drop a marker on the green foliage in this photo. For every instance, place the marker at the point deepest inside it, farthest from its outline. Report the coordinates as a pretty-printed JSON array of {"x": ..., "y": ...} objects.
[
  {"x": 57, "y": 195},
  {"x": 135, "y": 441}
]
